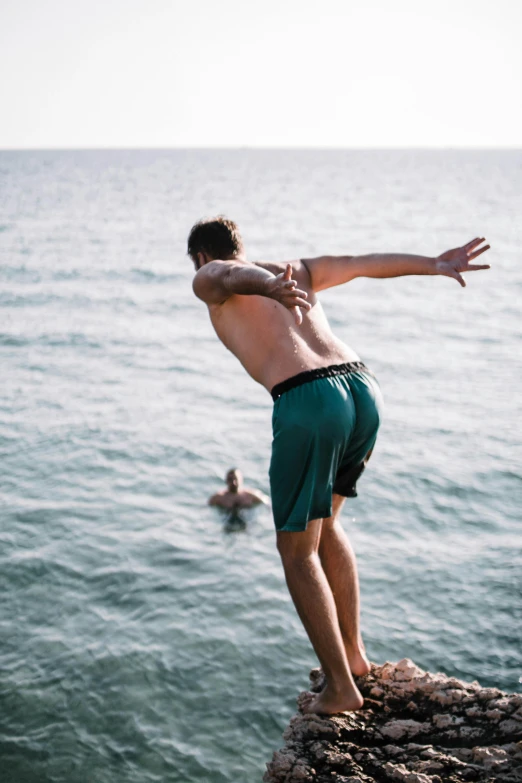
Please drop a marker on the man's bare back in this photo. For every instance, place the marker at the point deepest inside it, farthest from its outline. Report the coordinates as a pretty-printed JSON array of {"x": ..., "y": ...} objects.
[{"x": 270, "y": 345}]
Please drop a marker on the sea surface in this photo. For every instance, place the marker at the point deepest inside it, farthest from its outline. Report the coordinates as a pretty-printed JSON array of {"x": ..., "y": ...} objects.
[{"x": 143, "y": 637}]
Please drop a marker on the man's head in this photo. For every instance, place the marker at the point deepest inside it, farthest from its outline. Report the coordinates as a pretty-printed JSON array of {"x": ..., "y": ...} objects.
[
  {"x": 234, "y": 480},
  {"x": 214, "y": 238}
]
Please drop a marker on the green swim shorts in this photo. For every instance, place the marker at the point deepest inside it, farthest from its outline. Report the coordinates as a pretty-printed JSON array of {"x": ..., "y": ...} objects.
[{"x": 324, "y": 424}]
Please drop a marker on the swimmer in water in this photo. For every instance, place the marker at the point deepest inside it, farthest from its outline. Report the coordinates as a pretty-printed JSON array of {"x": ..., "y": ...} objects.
[{"x": 236, "y": 495}]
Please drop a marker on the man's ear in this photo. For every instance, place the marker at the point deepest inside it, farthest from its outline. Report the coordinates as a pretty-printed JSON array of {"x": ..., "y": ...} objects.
[{"x": 200, "y": 259}]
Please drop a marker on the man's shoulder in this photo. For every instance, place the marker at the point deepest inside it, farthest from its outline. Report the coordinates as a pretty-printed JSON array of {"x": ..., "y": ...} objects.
[
  {"x": 256, "y": 495},
  {"x": 299, "y": 269},
  {"x": 218, "y": 498}
]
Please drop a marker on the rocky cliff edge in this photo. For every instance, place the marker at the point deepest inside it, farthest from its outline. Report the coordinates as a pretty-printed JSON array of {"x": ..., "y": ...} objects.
[{"x": 415, "y": 727}]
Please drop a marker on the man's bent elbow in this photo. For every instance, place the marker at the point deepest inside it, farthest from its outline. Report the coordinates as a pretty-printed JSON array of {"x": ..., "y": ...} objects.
[{"x": 209, "y": 290}]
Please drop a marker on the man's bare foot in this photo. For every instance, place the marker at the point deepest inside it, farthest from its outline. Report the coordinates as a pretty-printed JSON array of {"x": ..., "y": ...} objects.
[
  {"x": 359, "y": 663},
  {"x": 360, "y": 666},
  {"x": 330, "y": 702}
]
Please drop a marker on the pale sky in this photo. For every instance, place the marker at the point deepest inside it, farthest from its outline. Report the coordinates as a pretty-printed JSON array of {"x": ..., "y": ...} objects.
[{"x": 287, "y": 73}]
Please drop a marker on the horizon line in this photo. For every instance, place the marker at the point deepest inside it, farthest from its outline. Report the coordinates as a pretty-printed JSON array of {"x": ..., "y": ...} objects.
[{"x": 274, "y": 148}]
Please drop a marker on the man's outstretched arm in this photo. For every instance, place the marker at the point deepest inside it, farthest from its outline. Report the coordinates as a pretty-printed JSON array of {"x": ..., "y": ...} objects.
[
  {"x": 217, "y": 281},
  {"x": 328, "y": 271}
]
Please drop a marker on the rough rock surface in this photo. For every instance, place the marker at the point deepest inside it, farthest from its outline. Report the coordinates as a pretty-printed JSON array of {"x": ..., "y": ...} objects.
[{"x": 415, "y": 727}]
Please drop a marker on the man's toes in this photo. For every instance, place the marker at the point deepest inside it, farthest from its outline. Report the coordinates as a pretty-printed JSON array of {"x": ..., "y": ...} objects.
[
  {"x": 309, "y": 707},
  {"x": 304, "y": 699}
]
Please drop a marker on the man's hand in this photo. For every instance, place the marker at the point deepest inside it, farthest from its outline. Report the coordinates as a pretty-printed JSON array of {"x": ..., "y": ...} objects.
[
  {"x": 453, "y": 262},
  {"x": 284, "y": 290}
]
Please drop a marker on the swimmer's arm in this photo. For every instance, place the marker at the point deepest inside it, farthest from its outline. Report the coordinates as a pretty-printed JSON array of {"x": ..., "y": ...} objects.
[
  {"x": 215, "y": 500},
  {"x": 217, "y": 281},
  {"x": 258, "y": 497},
  {"x": 329, "y": 271}
]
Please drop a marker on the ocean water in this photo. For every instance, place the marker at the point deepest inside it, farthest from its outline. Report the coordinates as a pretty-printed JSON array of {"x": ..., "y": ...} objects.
[{"x": 142, "y": 638}]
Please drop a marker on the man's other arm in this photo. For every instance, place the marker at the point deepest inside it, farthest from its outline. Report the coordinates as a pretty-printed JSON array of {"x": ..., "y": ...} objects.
[
  {"x": 216, "y": 500},
  {"x": 217, "y": 281},
  {"x": 258, "y": 497},
  {"x": 329, "y": 271}
]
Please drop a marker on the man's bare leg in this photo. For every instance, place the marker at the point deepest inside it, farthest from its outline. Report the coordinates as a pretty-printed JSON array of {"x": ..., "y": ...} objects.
[
  {"x": 315, "y": 605},
  {"x": 340, "y": 566}
]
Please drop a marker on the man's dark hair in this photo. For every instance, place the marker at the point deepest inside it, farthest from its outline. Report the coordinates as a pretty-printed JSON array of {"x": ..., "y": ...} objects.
[{"x": 218, "y": 237}]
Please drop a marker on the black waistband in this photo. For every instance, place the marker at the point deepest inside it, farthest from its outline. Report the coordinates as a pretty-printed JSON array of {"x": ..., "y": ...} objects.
[{"x": 312, "y": 375}]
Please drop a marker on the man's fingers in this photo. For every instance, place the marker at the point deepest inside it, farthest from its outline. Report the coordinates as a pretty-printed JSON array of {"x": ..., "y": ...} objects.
[
  {"x": 476, "y": 253},
  {"x": 476, "y": 267},
  {"x": 474, "y": 243},
  {"x": 459, "y": 278},
  {"x": 296, "y": 291},
  {"x": 297, "y": 306},
  {"x": 298, "y": 316},
  {"x": 298, "y": 302},
  {"x": 288, "y": 272}
]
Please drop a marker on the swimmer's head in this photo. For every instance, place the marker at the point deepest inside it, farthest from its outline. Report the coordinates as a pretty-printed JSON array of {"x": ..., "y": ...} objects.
[
  {"x": 234, "y": 480},
  {"x": 214, "y": 238}
]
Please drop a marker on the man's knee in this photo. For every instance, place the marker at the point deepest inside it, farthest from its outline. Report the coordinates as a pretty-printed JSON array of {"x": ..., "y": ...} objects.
[
  {"x": 292, "y": 546},
  {"x": 332, "y": 534},
  {"x": 337, "y": 505},
  {"x": 299, "y": 545}
]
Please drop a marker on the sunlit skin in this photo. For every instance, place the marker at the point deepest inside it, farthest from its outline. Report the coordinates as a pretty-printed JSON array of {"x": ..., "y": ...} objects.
[
  {"x": 236, "y": 495},
  {"x": 267, "y": 314}
]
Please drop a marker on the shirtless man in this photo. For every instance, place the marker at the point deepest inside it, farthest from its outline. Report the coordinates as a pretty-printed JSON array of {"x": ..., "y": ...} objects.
[
  {"x": 327, "y": 409},
  {"x": 236, "y": 495}
]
